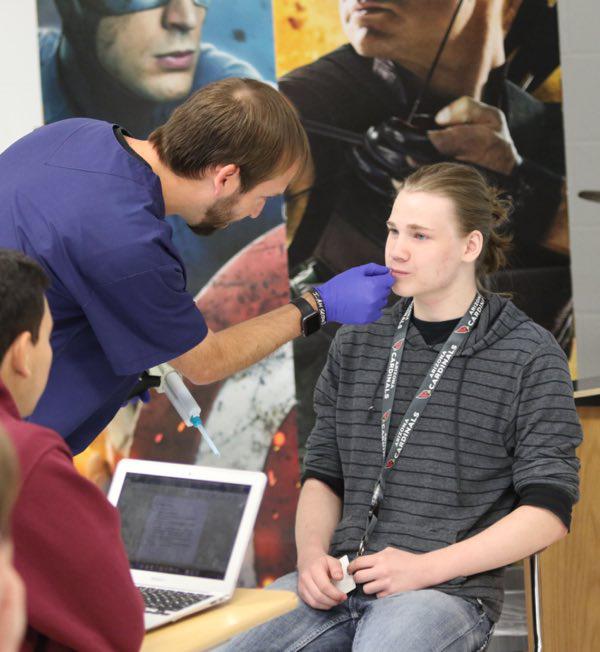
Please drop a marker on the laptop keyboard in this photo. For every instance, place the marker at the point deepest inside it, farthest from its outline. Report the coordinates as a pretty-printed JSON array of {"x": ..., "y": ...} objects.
[{"x": 161, "y": 601}]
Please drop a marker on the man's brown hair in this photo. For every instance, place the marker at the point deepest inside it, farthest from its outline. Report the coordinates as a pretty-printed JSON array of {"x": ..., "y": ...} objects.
[
  {"x": 241, "y": 121},
  {"x": 9, "y": 476}
]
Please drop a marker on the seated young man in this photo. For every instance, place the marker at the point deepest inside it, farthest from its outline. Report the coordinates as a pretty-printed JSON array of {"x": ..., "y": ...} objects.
[
  {"x": 12, "y": 592},
  {"x": 444, "y": 446},
  {"x": 66, "y": 536}
]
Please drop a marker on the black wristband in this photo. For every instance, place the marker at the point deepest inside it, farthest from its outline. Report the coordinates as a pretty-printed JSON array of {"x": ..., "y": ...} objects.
[
  {"x": 320, "y": 305},
  {"x": 309, "y": 320}
]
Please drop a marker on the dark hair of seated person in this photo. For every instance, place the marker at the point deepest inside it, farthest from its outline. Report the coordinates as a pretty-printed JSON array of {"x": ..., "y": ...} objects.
[{"x": 22, "y": 286}]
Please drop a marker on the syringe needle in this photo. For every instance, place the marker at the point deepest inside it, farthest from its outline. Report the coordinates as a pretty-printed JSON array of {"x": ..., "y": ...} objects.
[{"x": 197, "y": 421}]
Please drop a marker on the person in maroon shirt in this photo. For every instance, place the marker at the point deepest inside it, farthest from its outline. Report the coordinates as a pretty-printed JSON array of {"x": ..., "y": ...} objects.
[
  {"x": 66, "y": 536},
  {"x": 12, "y": 592}
]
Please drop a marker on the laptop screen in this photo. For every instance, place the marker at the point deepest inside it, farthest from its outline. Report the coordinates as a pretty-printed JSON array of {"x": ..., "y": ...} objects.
[{"x": 179, "y": 525}]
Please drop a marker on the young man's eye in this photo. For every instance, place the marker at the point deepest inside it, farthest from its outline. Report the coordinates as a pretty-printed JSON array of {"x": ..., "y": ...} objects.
[{"x": 420, "y": 236}]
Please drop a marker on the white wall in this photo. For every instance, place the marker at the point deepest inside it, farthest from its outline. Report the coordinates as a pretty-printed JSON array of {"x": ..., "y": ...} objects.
[
  {"x": 20, "y": 91},
  {"x": 579, "y": 23}
]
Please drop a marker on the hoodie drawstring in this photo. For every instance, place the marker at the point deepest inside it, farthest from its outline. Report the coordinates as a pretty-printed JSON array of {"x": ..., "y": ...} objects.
[{"x": 371, "y": 407}]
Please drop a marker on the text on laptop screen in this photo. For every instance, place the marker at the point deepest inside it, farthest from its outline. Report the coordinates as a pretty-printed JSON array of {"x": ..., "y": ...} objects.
[{"x": 179, "y": 525}]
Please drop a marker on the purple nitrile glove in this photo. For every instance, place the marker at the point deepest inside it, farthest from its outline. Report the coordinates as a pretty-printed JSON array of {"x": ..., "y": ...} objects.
[
  {"x": 358, "y": 295},
  {"x": 144, "y": 397}
]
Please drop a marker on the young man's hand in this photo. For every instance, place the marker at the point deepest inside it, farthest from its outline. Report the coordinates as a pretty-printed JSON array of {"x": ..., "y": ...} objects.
[
  {"x": 390, "y": 571},
  {"x": 315, "y": 581}
]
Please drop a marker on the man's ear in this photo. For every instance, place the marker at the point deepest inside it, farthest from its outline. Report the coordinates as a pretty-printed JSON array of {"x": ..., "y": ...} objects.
[
  {"x": 19, "y": 354},
  {"x": 474, "y": 245},
  {"x": 226, "y": 179}
]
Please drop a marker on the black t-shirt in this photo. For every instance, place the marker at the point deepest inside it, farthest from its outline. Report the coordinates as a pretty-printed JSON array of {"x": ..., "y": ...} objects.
[{"x": 435, "y": 332}]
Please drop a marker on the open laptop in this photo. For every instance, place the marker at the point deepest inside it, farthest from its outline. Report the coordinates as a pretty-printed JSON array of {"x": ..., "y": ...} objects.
[{"x": 186, "y": 529}]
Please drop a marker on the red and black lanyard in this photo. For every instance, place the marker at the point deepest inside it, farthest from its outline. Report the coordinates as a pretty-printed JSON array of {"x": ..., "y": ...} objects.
[{"x": 453, "y": 345}]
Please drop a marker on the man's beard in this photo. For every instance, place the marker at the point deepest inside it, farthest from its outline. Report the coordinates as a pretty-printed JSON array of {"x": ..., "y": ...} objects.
[{"x": 218, "y": 216}]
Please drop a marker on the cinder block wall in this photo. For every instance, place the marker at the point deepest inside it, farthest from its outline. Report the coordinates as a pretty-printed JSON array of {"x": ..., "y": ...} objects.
[
  {"x": 20, "y": 90},
  {"x": 579, "y": 24}
]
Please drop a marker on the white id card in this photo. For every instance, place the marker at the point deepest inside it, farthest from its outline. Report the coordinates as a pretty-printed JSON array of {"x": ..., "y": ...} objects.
[{"x": 346, "y": 584}]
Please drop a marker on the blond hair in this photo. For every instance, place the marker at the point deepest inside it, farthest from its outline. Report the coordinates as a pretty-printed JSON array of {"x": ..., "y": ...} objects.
[{"x": 478, "y": 207}]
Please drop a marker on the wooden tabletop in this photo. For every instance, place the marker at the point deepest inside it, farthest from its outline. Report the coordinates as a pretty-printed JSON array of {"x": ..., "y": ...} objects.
[
  {"x": 247, "y": 608},
  {"x": 586, "y": 387}
]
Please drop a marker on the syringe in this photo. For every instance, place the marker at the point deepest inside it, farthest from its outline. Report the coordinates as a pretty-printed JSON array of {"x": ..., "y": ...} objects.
[{"x": 181, "y": 399}]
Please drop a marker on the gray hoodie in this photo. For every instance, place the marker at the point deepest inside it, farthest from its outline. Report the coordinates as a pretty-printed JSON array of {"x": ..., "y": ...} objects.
[{"x": 501, "y": 418}]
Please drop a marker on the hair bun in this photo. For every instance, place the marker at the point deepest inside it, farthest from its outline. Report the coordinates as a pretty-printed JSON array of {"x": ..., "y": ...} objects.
[{"x": 501, "y": 206}]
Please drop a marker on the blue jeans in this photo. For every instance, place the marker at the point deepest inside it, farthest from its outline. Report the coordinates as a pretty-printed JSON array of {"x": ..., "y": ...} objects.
[{"x": 416, "y": 621}]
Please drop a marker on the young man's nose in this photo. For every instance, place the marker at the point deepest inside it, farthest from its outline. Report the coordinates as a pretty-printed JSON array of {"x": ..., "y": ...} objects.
[
  {"x": 180, "y": 15},
  {"x": 400, "y": 250}
]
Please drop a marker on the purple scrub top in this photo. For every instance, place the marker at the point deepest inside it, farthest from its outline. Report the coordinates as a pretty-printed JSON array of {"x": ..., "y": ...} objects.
[{"x": 92, "y": 214}]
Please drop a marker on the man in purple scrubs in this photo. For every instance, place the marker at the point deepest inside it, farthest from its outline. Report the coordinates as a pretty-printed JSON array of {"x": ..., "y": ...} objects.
[{"x": 88, "y": 203}]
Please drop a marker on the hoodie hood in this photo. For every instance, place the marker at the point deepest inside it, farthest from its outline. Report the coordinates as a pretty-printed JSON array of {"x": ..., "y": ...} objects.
[{"x": 498, "y": 318}]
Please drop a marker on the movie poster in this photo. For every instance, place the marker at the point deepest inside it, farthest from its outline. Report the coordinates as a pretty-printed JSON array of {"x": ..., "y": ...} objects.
[{"x": 132, "y": 62}]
